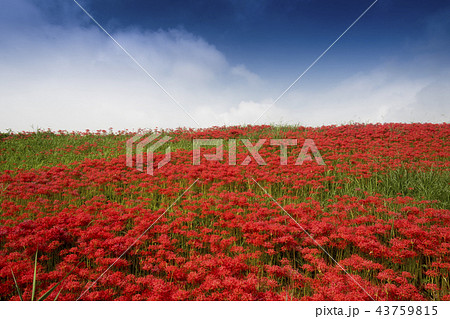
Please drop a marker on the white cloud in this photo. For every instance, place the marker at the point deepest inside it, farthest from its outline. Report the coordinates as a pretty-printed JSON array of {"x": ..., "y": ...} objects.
[
  {"x": 379, "y": 96},
  {"x": 241, "y": 71},
  {"x": 78, "y": 78},
  {"x": 431, "y": 104}
]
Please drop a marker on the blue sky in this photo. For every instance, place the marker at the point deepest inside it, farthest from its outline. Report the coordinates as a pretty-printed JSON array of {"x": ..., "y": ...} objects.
[{"x": 224, "y": 61}]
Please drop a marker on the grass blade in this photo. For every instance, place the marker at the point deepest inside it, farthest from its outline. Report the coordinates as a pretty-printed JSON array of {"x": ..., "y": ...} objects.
[
  {"x": 17, "y": 286},
  {"x": 34, "y": 277},
  {"x": 44, "y": 296},
  {"x": 56, "y": 295}
]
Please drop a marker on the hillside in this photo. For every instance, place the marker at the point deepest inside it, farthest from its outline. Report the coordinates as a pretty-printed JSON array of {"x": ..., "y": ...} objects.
[{"x": 372, "y": 223}]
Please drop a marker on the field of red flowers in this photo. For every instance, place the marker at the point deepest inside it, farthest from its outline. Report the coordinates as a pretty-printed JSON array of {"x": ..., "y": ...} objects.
[{"x": 380, "y": 208}]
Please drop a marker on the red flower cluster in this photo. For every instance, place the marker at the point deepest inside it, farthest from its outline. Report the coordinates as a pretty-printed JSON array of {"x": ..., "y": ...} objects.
[{"x": 225, "y": 239}]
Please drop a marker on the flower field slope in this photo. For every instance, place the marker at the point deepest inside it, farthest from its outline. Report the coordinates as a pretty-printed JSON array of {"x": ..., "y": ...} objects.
[{"x": 372, "y": 223}]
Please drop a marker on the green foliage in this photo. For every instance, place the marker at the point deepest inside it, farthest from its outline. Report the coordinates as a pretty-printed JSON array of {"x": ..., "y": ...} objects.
[
  {"x": 35, "y": 150},
  {"x": 432, "y": 185}
]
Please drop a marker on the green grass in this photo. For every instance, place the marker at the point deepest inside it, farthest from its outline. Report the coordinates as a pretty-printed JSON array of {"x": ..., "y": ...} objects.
[
  {"x": 42, "y": 148},
  {"x": 432, "y": 185}
]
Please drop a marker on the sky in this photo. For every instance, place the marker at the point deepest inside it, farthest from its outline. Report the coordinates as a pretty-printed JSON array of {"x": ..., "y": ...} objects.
[{"x": 178, "y": 63}]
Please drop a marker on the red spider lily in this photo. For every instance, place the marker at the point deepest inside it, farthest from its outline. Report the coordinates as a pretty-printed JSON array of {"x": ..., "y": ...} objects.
[{"x": 225, "y": 239}]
